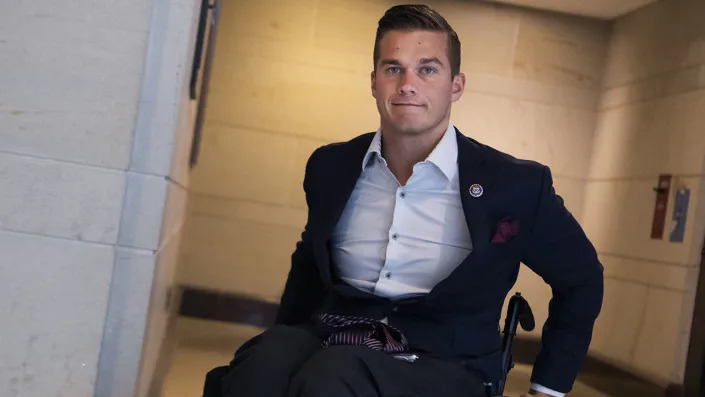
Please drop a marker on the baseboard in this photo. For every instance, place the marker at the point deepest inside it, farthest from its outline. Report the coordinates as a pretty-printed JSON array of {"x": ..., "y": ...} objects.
[
  {"x": 598, "y": 374},
  {"x": 226, "y": 306}
]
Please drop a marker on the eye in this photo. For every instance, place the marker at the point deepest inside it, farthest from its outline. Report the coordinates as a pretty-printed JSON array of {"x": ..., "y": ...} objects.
[
  {"x": 394, "y": 69},
  {"x": 427, "y": 70}
]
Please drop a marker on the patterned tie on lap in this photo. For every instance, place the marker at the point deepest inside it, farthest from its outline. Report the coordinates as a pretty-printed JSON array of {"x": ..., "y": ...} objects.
[{"x": 359, "y": 331}]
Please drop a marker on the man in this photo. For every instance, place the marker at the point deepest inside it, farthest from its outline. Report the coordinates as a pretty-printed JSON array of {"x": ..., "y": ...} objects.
[{"x": 413, "y": 240}]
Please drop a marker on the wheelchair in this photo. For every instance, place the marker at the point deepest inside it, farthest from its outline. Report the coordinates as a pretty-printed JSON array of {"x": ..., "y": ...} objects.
[{"x": 518, "y": 314}]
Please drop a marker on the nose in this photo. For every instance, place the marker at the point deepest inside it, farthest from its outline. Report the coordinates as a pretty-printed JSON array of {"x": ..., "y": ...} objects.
[{"x": 407, "y": 84}]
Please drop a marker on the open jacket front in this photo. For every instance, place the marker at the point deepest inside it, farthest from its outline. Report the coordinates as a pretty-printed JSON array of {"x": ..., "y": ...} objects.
[{"x": 459, "y": 319}]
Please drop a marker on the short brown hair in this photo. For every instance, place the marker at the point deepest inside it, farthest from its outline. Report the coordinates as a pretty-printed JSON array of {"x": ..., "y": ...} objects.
[{"x": 418, "y": 17}]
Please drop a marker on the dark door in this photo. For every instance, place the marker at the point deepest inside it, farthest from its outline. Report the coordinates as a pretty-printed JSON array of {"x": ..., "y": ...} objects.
[{"x": 694, "y": 382}]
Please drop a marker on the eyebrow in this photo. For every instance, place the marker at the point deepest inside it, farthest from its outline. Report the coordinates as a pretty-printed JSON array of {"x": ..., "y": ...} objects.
[
  {"x": 390, "y": 62},
  {"x": 431, "y": 60}
]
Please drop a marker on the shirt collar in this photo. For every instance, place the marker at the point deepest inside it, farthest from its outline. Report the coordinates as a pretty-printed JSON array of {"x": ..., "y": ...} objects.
[
  {"x": 374, "y": 149},
  {"x": 444, "y": 155}
]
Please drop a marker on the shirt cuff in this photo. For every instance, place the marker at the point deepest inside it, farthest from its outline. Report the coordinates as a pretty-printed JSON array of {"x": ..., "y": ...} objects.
[{"x": 539, "y": 388}]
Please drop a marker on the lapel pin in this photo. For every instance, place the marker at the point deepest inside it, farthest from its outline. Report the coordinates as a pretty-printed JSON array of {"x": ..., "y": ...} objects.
[{"x": 476, "y": 190}]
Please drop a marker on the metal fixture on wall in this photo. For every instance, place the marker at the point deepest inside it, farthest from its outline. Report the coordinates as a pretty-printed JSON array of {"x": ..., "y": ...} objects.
[
  {"x": 680, "y": 214},
  {"x": 662, "y": 191},
  {"x": 201, "y": 69}
]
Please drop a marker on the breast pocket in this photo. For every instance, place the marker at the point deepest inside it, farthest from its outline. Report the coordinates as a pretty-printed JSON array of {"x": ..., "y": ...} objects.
[
  {"x": 506, "y": 250},
  {"x": 500, "y": 264}
]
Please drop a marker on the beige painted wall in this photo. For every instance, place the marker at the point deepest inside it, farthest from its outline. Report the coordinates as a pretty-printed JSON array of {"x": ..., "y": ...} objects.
[
  {"x": 651, "y": 120},
  {"x": 290, "y": 76}
]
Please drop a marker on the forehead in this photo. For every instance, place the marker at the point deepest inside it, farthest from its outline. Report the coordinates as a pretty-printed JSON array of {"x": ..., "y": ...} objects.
[{"x": 411, "y": 45}]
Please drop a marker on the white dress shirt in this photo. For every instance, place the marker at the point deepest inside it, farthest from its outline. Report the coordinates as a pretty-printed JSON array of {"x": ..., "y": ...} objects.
[{"x": 398, "y": 241}]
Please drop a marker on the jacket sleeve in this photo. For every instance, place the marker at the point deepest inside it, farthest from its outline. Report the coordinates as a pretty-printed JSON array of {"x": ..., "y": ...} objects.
[
  {"x": 304, "y": 288},
  {"x": 562, "y": 255}
]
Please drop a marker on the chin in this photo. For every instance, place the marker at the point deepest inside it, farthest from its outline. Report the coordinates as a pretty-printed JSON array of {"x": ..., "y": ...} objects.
[
  {"x": 407, "y": 129},
  {"x": 411, "y": 127}
]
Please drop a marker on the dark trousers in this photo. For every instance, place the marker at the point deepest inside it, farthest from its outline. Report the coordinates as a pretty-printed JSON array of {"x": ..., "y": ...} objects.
[{"x": 287, "y": 361}]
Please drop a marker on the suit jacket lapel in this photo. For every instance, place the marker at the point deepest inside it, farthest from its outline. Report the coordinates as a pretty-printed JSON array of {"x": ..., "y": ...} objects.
[
  {"x": 472, "y": 170},
  {"x": 340, "y": 179}
]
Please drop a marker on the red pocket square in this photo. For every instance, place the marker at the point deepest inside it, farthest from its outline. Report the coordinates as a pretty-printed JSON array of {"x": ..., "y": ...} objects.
[{"x": 506, "y": 229}]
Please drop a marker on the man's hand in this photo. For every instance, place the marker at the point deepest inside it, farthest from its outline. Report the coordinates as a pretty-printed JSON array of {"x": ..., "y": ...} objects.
[{"x": 535, "y": 394}]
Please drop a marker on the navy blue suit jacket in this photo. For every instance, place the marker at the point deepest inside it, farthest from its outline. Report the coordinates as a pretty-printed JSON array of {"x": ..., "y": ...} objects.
[{"x": 459, "y": 319}]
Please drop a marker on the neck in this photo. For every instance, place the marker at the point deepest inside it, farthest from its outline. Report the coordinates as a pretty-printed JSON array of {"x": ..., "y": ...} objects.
[{"x": 403, "y": 151}]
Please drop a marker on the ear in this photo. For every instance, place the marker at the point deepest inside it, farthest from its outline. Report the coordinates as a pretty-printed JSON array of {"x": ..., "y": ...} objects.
[
  {"x": 458, "y": 87},
  {"x": 373, "y": 80}
]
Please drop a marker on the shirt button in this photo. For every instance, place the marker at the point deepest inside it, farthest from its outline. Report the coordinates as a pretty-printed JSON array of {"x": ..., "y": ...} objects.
[
  {"x": 388, "y": 275},
  {"x": 395, "y": 236},
  {"x": 403, "y": 194}
]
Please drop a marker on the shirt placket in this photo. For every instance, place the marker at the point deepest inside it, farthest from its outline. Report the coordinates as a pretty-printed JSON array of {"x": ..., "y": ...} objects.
[{"x": 389, "y": 273}]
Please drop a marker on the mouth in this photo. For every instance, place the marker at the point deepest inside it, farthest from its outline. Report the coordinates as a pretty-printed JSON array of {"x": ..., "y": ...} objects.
[{"x": 411, "y": 105}]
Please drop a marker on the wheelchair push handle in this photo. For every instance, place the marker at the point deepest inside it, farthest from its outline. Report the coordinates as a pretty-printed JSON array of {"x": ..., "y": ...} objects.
[
  {"x": 518, "y": 314},
  {"x": 518, "y": 311}
]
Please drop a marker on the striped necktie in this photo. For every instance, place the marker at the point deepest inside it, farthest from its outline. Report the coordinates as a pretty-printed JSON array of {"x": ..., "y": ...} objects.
[{"x": 336, "y": 329}]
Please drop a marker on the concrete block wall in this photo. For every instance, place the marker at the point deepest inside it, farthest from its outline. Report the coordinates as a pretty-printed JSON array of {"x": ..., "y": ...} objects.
[
  {"x": 608, "y": 106},
  {"x": 144, "y": 276},
  {"x": 93, "y": 132},
  {"x": 290, "y": 76},
  {"x": 69, "y": 89},
  {"x": 650, "y": 122}
]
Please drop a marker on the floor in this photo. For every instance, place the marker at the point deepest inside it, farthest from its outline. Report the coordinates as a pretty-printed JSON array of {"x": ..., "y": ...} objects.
[{"x": 204, "y": 344}]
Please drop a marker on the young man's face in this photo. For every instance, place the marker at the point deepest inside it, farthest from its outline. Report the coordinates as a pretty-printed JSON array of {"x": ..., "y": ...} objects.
[{"x": 412, "y": 82}]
